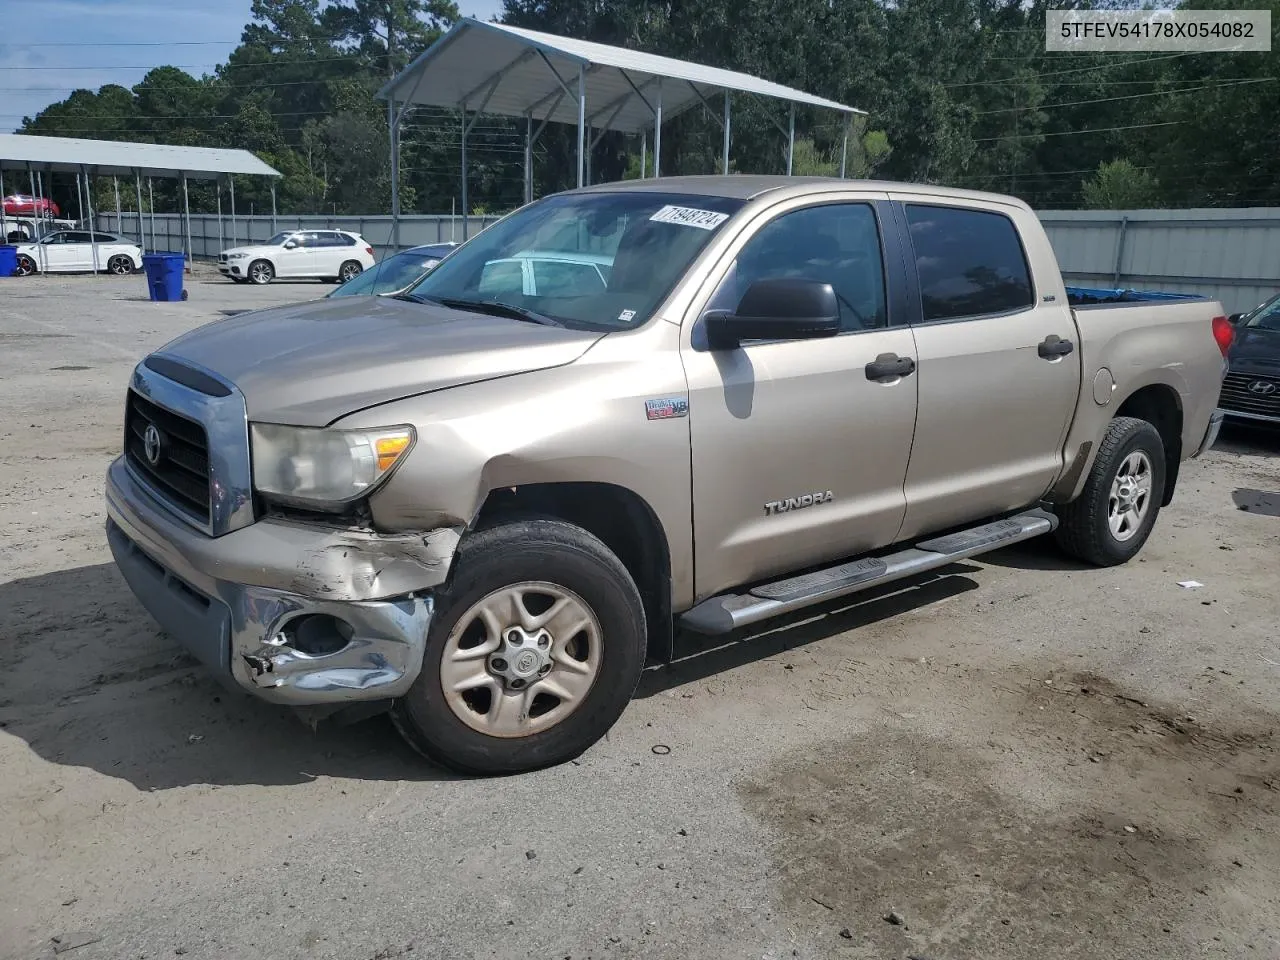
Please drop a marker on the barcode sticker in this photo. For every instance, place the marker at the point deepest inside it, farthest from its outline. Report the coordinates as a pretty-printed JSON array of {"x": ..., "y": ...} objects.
[{"x": 690, "y": 217}]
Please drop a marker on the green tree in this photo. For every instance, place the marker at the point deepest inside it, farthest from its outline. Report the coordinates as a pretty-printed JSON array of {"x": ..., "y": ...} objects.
[{"x": 1119, "y": 185}]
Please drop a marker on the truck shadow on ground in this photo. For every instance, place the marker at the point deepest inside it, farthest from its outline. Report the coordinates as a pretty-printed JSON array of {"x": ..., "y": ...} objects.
[
  {"x": 87, "y": 680},
  {"x": 699, "y": 657},
  {"x": 1257, "y": 501}
]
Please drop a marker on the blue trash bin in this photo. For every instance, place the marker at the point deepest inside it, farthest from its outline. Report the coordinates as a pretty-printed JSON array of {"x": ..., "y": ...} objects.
[
  {"x": 165, "y": 273},
  {"x": 8, "y": 260}
]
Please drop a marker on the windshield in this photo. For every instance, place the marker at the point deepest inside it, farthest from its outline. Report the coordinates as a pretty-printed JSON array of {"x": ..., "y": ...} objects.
[
  {"x": 389, "y": 275},
  {"x": 278, "y": 239},
  {"x": 596, "y": 261},
  {"x": 1265, "y": 317}
]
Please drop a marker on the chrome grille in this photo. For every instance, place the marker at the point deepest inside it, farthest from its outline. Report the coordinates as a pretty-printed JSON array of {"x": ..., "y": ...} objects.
[
  {"x": 1237, "y": 395},
  {"x": 180, "y": 470}
]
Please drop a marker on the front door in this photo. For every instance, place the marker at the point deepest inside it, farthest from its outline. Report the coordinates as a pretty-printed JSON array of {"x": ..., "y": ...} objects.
[
  {"x": 58, "y": 253},
  {"x": 296, "y": 262},
  {"x": 994, "y": 407},
  {"x": 799, "y": 453}
]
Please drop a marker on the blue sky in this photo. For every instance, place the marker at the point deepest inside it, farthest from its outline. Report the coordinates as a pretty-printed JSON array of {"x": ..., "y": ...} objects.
[{"x": 55, "y": 46}]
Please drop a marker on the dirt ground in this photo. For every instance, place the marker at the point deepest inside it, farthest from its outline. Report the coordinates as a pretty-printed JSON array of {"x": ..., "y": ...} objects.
[{"x": 1019, "y": 758}]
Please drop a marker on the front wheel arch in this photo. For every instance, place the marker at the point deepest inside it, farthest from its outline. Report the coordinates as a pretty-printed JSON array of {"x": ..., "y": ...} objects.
[{"x": 622, "y": 520}]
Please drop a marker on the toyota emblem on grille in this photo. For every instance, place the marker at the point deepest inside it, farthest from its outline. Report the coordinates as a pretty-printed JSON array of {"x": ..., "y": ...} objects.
[
  {"x": 151, "y": 444},
  {"x": 1263, "y": 387}
]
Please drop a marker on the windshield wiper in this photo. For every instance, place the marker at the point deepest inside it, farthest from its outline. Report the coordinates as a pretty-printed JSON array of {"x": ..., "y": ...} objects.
[
  {"x": 411, "y": 298},
  {"x": 496, "y": 308}
]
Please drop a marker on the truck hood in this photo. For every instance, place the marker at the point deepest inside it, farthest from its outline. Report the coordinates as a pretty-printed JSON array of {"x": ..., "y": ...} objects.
[
  {"x": 310, "y": 364},
  {"x": 1255, "y": 350}
]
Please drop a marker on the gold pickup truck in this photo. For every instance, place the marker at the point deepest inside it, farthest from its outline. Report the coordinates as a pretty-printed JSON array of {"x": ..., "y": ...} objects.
[{"x": 487, "y": 502}]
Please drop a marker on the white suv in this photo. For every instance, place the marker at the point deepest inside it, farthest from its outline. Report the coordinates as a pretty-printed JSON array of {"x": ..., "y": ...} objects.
[{"x": 334, "y": 255}]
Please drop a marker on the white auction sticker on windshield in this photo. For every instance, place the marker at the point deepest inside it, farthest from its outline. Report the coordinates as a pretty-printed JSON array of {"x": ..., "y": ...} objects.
[{"x": 690, "y": 217}]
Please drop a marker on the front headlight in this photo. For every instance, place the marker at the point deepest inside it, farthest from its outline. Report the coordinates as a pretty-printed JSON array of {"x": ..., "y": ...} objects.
[
  {"x": 236, "y": 256},
  {"x": 321, "y": 466}
]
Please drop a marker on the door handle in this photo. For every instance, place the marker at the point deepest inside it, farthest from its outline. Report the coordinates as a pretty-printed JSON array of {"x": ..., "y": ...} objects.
[
  {"x": 889, "y": 365},
  {"x": 1053, "y": 346}
]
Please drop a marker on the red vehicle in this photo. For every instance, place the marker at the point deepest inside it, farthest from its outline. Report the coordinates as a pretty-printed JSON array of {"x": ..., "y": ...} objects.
[{"x": 18, "y": 203}]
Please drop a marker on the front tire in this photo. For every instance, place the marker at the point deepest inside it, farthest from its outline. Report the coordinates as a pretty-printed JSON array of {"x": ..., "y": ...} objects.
[
  {"x": 261, "y": 272},
  {"x": 1112, "y": 518},
  {"x": 534, "y": 651},
  {"x": 26, "y": 266}
]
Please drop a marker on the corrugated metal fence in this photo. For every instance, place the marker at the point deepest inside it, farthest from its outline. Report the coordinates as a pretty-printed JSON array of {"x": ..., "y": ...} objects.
[
  {"x": 209, "y": 235},
  {"x": 1230, "y": 255}
]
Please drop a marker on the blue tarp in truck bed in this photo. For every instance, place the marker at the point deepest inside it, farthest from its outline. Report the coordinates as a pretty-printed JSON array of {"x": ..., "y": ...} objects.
[{"x": 1083, "y": 296}]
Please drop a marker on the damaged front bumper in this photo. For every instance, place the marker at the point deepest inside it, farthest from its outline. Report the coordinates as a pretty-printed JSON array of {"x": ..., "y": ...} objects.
[{"x": 294, "y": 613}]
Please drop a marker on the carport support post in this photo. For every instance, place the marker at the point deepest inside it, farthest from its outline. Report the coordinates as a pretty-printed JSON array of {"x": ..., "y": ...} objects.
[
  {"x": 273, "y": 206},
  {"x": 115, "y": 185},
  {"x": 217, "y": 190},
  {"x": 137, "y": 183},
  {"x": 724, "y": 165},
  {"x": 657, "y": 132},
  {"x": 93, "y": 241},
  {"x": 393, "y": 131},
  {"x": 644, "y": 154},
  {"x": 466, "y": 209},
  {"x": 231, "y": 181},
  {"x": 791, "y": 140},
  {"x": 4, "y": 223},
  {"x": 40, "y": 250},
  {"x": 844, "y": 144},
  {"x": 186, "y": 219},
  {"x": 582, "y": 124},
  {"x": 528, "y": 157},
  {"x": 151, "y": 208}
]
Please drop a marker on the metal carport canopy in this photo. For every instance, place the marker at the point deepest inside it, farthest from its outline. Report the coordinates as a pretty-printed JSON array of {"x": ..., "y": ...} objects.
[
  {"x": 122, "y": 158},
  {"x": 466, "y": 60},
  {"x": 114, "y": 158},
  {"x": 493, "y": 68}
]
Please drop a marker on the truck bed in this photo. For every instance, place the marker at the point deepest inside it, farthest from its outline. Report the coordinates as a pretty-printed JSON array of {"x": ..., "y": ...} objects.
[{"x": 1084, "y": 297}]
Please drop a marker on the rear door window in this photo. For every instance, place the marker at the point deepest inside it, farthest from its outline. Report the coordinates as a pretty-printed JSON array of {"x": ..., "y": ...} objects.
[{"x": 970, "y": 263}]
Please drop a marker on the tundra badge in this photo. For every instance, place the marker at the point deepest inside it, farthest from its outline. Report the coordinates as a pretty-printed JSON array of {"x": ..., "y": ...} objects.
[{"x": 798, "y": 503}]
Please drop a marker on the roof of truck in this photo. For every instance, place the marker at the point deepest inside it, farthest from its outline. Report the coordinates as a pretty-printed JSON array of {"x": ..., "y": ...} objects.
[{"x": 749, "y": 186}]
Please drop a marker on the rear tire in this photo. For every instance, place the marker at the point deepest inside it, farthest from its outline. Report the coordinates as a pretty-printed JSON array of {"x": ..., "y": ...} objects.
[
  {"x": 349, "y": 270},
  {"x": 120, "y": 265},
  {"x": 261, "y": 272},
  {"x": 1112, "y": 518},
  {"x": 594, "y": 651}
]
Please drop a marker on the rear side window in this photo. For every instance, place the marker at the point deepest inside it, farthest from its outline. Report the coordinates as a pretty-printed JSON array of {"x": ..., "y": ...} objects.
[
  {"x": 343, "y": 240},
  {"x": 970, "y": 262}
]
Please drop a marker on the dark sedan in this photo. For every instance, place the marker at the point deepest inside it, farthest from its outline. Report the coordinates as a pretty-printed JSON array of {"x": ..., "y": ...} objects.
[
  {"x": 394, "y": 273},
  {"x": 1251, "y": 391}
]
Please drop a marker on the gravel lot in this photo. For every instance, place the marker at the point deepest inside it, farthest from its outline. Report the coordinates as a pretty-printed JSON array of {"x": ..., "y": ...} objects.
[{"x": 1021, "y": 758}]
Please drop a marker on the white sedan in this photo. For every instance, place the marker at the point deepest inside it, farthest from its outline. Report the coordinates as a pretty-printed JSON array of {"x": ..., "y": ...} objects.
[
  {"x": 333, "y": 255},
  {"x": 74, "y": 251}
]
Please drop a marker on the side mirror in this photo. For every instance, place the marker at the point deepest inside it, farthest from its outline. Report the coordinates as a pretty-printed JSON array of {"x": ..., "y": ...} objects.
[
  {"x": 1235, "y": 318},
  {"x": 781, "y": 308},
  {"x": 291, "y": 244}
]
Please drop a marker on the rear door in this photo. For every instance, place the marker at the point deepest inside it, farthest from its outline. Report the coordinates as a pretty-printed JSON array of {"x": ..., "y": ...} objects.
[
  {"x": 997, "y": 382},
  {"x": 799, "y": 451},
  {"x": 330, "y": 252}
]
